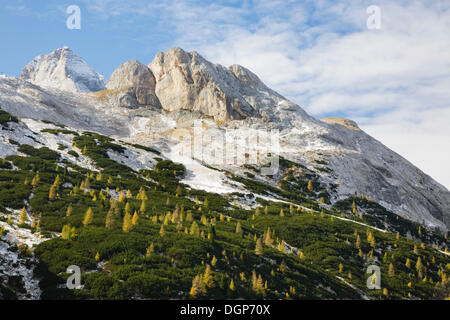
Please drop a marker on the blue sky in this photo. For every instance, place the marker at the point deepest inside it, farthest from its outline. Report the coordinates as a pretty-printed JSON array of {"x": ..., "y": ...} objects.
[{"x": 393, "y": 81}]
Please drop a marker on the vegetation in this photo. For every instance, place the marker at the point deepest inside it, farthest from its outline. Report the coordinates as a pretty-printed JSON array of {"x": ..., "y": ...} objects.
[{"x": 146, "y": 235}]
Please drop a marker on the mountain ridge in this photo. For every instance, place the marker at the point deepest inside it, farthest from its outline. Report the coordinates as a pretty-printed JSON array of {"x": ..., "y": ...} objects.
[{"x": 189, "y": 87}]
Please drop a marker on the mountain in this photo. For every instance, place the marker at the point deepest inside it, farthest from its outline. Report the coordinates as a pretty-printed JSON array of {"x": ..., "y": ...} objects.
[
  {"x": 151, "y": 147},
  {"x": 187, "y": 87},
  {"x": 64, "y": 70}
]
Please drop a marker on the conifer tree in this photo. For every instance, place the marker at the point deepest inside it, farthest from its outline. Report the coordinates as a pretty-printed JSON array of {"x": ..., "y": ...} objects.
[
  {"x": 87, "y": 185},
  {"x": 23, "y": 217},
  {"x": 408, "y": 263},
  {"x": 258, "y": 247},
  {"x": 238, "y": 228},
  {"x": 52, "y": 193},
  {"x": 391, "y": 271},
  {"x": 189, "y": 217},
  {"x": 207, "y": 279},
  {"x": 214, "y": 261},
  {"x": 196, "y": 288},
  {"x": 150, "y": 250},
  {"x": 232, "y": 287},
  {"x": 65, "y": 233},
  {"x": 254, "y": 281},
  {"x": 121, "y": 196},
  {"x": 128, "y": 208},
  {"x": 310, "y": 186},
  {"x": 73, "y": 232},
  {"x": 162, "y": 232},
  {"x": 127, "y": 223},
  {"x": 268, "y": 238},
  {"x": 129, "y": 194},
  {"x": 135, "y": 219},
  {"x": 69, "y": 210},
  {"x": 57, "y": 181},
  {"x": 419, "y": 267},
  {"x": 195, "y": 230},
  {"x": 109, "y": 221},
  {"x": 88, "y": 217},
  {"x": 282, "y": 267},
  {"x": 35, "y": 180},
  {"x": 358, "y": 242},
  {"x": 266, "y": 210}
]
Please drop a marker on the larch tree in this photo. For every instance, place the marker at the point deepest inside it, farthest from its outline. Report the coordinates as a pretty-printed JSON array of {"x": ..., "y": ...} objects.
[
  {"x": 259, "y": 247},
  {"x": 135, "y": 219},
  {"x": 232, "y": 286},
  {"x": 129, "y": 194},
  {"x": 196, "y": 288},
  {"x": 88, "y": 217},
  {"x": 65, "y": 233},
  {"x": 268, "y": 241},
  {"x": 391, "y": 271},
  {"x": 69, "y": 210},
  {"x": 52, "y": 193},
  {"x": 195, "y": 230},
  {"x": 208, "y": 279},
  {"x": 238, "y": 228},
  {"x": 310, "y": 186},
  {"x": 127, "y": 224},
  {"x": 109, "y": 221},
  {"x": 150, "y": 250},
  {"x": 23, "y": 217},
  {"x": 35, "y": 180},
  {"x": 128, "y": 208},
  {"x": 419, "y": 268},
  {"x": 408, "y": 263}
]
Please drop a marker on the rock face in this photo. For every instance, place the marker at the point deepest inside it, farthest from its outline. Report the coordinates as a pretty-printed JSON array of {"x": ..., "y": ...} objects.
[
  {"x": 133, "y": 85},
  {"x": 64, "y": 70},
  {"x": 189, "y": 82}
]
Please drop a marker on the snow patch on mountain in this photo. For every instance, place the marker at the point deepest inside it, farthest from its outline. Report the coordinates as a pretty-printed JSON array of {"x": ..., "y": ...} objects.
[{"x": 64, "y": 70}]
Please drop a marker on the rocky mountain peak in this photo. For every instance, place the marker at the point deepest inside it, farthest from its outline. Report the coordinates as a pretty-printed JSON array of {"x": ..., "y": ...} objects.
[
  {"x": 64, "y": 70},
  {"x": 132, "y": 74},
  {"x": 187, "y": 81},
  {"x": 132, "y": 85}
]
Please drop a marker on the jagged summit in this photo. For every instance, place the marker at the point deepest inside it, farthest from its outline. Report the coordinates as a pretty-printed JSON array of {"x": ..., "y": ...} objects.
[
  {"x": 132, "y": 85},
  {"x": 64, "y": 70},
  {"x": 187, "y": 81}
]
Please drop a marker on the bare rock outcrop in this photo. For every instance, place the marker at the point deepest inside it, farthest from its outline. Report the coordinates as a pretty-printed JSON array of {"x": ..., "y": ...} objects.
[
  {"x": 186, "y": 81},
  {"x": 132, "y": 85}
]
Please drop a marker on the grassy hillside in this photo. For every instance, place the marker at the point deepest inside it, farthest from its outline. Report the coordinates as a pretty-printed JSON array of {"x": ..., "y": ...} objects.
[{"x": 146, "y": 235}]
